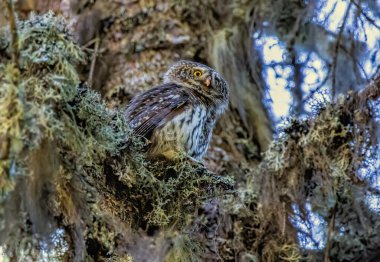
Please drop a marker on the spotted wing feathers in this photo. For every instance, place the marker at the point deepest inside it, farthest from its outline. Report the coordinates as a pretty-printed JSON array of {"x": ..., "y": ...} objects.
[{"x": 155, "y": 107}]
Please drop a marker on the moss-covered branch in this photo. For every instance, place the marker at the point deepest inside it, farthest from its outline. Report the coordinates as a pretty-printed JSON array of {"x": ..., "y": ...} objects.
[
  {"x": 73, "y": 168},
  {"x": 319, "y": 168}
]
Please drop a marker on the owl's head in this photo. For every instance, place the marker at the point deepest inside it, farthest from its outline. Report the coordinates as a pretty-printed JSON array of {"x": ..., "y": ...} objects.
[{"x": 202, "y": 79}]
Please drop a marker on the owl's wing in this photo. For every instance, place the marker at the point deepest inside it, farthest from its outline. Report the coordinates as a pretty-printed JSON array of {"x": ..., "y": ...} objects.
[{"x": 155, "y": 107}]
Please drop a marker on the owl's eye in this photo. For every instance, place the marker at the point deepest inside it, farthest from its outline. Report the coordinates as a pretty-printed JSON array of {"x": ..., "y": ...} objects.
[{"x": 197, "y": 73}]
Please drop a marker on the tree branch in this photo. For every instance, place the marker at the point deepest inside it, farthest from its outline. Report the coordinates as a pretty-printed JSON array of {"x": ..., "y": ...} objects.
[
  {"x": 13, "y": 29},
  {"x": 93, "y": 61},
  {"x": 369, "y": 19}
]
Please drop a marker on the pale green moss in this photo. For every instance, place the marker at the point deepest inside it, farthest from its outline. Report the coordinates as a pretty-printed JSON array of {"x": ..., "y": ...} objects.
[{"x": 98, "y": 173}]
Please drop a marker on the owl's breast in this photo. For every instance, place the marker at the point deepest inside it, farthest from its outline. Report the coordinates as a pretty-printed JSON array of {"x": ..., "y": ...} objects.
[{"x": 188, "y": 132}]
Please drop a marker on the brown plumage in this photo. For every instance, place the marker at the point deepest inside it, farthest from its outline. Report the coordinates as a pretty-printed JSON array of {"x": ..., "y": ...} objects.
[{"x": 179, "y": 115}]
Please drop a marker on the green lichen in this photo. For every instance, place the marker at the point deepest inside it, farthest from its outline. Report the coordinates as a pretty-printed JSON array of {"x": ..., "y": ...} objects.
[
  {"x": 32, "y": 95},
  {"x": 317, "y": 163},
  {"x": 76, "y": 160},
  {"x": 184, "y": 249},
  {"x": 29, "y": 95}
]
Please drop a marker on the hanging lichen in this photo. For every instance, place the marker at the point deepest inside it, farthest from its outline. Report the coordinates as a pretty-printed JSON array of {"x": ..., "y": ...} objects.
[{"x": 70, "y": 163}]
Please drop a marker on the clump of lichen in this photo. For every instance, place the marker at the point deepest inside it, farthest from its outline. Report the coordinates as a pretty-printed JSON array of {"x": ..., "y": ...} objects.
[
  {"x": 316, "y": 176},
  {"x": 183, "y": 249},
  {"x": 32, "y": 92},
  {"x": 176, "y": 190},
  {"x": 316, "y": 168},
  {"x": 71, "y": 165}
]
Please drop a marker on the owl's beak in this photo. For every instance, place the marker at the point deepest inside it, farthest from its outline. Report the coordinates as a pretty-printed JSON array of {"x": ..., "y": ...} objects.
[{"x": 208, "y": 81}]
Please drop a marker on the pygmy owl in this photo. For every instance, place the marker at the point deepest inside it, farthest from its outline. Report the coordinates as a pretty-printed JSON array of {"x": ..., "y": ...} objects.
[{"x": 179, "y": 115}]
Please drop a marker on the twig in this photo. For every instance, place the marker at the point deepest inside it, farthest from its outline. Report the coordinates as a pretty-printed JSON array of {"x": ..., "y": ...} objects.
[
  {"x": 89, "y": 43},
  {"x": 369, "y": 19},
  {"x": 335, "y": 59},
  {"x": 309, "y": 235},
  {"x": 356, "y": 61},
  {"x": 93, "y": 62},
  {"x": 329, "y": 234},
  {"x": 13, "y": 28},
  {"x": 327, "y": 17},
  {"x": 284, "y": 219},
  {"x": 295, "y": 30},
  {"x": 298, "y": 81}
]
